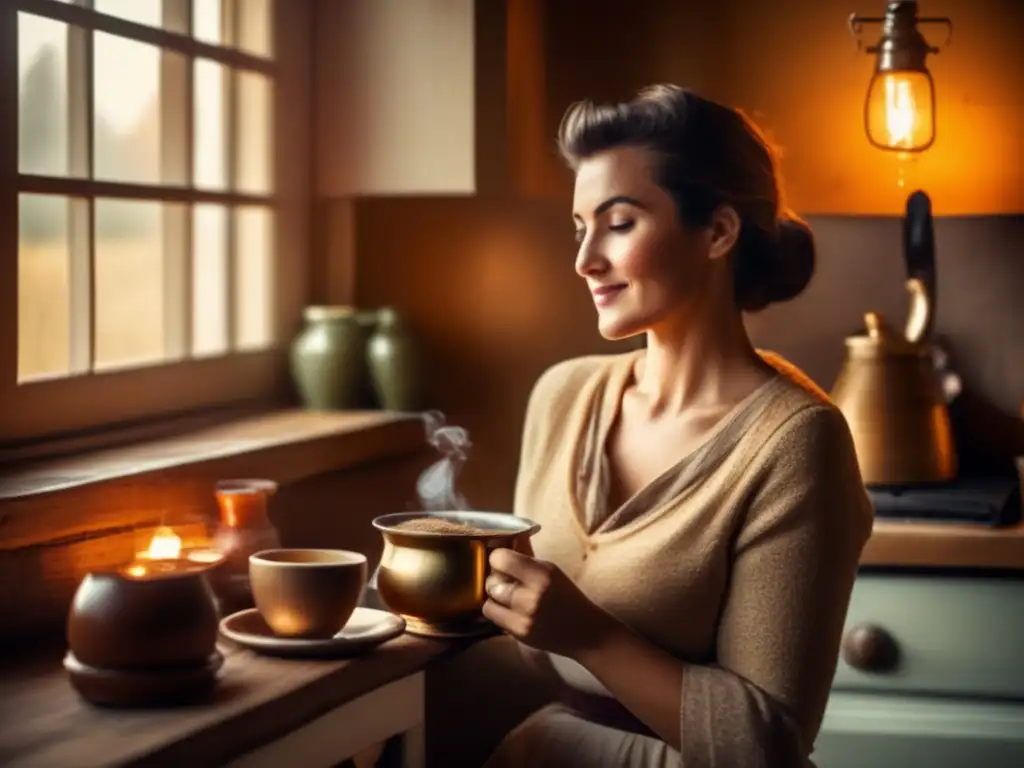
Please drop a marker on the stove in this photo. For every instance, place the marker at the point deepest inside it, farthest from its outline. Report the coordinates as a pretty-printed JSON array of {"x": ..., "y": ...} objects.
[{"x": 988, "y": 501}]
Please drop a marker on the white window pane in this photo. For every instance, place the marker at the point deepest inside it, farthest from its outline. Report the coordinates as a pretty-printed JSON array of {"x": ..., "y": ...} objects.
[
  {"x": 148, "y": 12},
  {"x": 129, "y": 289},
  {"x": 254, "y": 133},
  {"x": 208, "y": 21},
  {"x": 254, "y": 244},
  {"x": 209, "y": 280},
  {"x": 44, "y": 279},
  {"x": 256, "y": 26},
  {"x": 132, "y": 133},
  {"x": 209, "y": 145},
  {"x": 42, "y": 96}
]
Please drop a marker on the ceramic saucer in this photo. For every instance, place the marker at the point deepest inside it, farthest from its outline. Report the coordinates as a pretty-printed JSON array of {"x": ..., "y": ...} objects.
[{"x": 367, "y": 628}]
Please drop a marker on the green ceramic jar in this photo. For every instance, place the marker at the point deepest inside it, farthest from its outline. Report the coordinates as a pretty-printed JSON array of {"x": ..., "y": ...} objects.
[
  {"x": 394, "y": 363},
  {"x": 328, "y": 359}
]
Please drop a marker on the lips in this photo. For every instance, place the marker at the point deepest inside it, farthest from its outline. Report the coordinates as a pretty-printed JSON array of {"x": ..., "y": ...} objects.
[{"x": 606, "y": 294}]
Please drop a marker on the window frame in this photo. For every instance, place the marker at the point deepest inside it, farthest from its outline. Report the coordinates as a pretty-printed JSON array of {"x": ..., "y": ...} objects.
[{"x": 94, "y": 400}]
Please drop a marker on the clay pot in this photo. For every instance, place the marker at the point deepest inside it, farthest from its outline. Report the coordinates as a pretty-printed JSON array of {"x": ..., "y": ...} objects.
[
  {"x": 244, "y": 528},
  {"x": 118, "y": 622}
]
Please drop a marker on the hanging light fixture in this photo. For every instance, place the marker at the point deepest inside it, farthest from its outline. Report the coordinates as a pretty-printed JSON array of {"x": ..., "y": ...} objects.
[{"x": 899, "y": 112}]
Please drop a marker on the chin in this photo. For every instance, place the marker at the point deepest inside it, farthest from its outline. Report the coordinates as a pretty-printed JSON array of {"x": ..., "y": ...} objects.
[{"x": 619, "y": 327}]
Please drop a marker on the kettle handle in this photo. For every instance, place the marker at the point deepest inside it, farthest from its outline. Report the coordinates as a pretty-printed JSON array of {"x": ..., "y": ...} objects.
[
  {"x": 920, "y": 315},
  {"x": 919, "y": 256}
]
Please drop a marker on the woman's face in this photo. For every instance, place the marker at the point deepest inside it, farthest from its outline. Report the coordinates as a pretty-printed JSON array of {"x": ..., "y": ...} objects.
[{"x": 642, "y": 266}]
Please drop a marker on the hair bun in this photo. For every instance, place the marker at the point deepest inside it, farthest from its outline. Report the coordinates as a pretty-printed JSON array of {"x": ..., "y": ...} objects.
[
  {"x": 793, "y": 261},
  {"x": 773, "y": 268}
]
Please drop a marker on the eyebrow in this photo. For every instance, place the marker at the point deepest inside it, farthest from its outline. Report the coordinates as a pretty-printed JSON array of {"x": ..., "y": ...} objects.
[{"x": 616, "y": 200}]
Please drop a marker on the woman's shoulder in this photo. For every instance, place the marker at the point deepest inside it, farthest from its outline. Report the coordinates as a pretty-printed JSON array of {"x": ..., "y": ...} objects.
[
  {"x": 800, "y": 421},
  {"x": 562, "y": 383}
]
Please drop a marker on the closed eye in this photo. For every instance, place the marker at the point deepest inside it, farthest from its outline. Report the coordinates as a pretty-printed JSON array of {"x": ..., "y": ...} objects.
[
  {"x": 623, "y": 227},
  {"x": 580, "y": 234}
]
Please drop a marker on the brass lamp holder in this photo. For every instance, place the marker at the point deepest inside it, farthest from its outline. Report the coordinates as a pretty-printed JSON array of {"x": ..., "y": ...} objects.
[{"x": 902, "y": 47}]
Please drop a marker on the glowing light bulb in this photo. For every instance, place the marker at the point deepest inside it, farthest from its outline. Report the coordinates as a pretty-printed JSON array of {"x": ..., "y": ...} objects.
[{"x": 900, "y": 111}]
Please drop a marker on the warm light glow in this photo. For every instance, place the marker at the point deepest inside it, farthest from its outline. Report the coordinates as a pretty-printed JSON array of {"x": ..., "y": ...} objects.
[
  {"x": 205, "y": 556},
  {"x": 900, "y": 111},
  {"x": 166, "y": 545},
  {"x": 136, "y": 571}
]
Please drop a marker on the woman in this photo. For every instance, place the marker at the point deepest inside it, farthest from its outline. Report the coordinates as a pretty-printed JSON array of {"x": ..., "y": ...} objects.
[{"x": 701, "y": 506}]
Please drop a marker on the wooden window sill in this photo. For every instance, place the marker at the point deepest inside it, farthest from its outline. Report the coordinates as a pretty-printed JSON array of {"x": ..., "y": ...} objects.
[{"x": 54, "y": 499}]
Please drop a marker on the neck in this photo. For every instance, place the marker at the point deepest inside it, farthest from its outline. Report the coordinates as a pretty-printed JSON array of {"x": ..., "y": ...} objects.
[{"x": 704, "y": 360}]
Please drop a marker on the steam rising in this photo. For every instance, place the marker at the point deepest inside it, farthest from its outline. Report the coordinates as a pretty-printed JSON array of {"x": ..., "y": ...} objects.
[{"x": 436, "y": 486}]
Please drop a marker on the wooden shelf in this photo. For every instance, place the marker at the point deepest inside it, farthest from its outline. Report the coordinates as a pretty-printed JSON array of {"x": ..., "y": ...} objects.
[{"x": 945, "y": 546}]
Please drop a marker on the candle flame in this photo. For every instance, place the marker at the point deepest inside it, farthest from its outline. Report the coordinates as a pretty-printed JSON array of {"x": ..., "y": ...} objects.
[{"x": 165, "y": 545}]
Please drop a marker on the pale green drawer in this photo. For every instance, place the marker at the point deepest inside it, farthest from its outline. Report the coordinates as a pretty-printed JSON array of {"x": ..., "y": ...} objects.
[
  {"x": 886, "y": 731},
  {"x": 957, "y": 636}
]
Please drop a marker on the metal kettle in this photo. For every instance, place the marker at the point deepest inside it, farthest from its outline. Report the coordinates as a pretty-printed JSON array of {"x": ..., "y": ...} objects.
[{"x": 888, "y": 387}]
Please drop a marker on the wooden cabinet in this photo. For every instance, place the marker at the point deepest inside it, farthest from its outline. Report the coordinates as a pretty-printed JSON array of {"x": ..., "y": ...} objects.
[
  {"x": 895, "y": 731},
  {"x": 954, "y": 692}
]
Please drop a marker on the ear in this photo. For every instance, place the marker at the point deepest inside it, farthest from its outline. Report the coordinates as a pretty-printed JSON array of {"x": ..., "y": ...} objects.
[{"x": 723, "y": 231}]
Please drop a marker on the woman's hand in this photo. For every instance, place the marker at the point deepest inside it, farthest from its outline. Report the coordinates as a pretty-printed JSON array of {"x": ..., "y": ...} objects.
[{"x": 535, "y": 602}]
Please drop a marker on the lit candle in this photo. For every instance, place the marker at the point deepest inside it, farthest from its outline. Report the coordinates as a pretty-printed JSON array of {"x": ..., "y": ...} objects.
[{"x": 165, "y": 556}]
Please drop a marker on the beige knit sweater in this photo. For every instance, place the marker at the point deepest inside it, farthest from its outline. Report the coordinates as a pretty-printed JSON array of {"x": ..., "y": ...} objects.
[{"x": 739, "y": 560}]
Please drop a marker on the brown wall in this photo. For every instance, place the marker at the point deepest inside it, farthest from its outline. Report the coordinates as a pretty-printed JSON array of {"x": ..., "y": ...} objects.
[
  {"x": 489, "y": 282},
  {"x": 793, "y": 65},
  {"x": 490, "y": 286}
]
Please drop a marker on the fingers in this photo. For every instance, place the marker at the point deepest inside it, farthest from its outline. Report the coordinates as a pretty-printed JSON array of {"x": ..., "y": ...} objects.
[
  {"x": 510, "y": 621},
  {"x": 512, "y": 594},
  {"x": 500, "y": 589},
  {"x": 520, "y": 567}
]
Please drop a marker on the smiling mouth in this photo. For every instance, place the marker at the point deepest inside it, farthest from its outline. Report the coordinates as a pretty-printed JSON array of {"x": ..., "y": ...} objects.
[{"x": 606, "y": 294}]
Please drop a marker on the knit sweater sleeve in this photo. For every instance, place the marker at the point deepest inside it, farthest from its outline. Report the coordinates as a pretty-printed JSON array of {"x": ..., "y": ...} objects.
[{"x": 793, "y": 566}]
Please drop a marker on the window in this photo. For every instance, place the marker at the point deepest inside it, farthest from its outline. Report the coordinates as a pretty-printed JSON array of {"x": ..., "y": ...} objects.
[{"x": 151, "y": 206}]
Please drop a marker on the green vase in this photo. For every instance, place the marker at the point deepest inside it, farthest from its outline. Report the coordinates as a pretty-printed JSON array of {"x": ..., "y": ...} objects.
[
  {"x": 328, "y": 359},
  {"x": 394, "y": 363}
]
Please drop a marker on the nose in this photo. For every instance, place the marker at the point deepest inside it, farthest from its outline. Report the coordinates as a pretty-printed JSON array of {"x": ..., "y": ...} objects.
[{"x": 590, "y": 262}]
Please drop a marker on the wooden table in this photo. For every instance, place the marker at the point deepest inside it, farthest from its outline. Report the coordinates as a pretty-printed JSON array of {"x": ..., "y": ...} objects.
[{"x": 265, "y": 712}]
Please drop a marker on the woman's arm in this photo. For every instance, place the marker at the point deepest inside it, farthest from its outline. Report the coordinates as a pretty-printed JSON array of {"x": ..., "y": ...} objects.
[
  {"x": 645, "y": 679},
  {"x": 793, "y": 566},
  {"x": 778, "y": 640}
]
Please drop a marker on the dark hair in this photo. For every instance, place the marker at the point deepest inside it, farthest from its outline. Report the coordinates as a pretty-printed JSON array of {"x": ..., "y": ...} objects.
[{"x": 710, "y": 155}]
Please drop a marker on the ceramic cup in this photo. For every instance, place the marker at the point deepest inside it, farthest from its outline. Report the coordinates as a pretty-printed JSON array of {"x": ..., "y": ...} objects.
[{"x": 308, "y": 593}]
